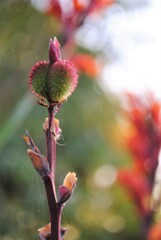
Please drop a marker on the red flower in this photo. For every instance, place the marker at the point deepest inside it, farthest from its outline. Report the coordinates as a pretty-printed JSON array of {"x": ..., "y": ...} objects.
[
  {"x": 144, "y": 141},
  {"x": 76, "y": 15},
  {"x": 138, "y": 188},
  {"x": 86, "y": 64}
]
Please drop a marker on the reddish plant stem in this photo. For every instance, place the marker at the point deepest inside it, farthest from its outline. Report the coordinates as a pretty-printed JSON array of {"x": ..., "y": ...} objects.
[
  {"x": 51, "y": 148},
  {"x": 53, "y": 209},
  {"x": 55, "y": 213},
  {"x": 60, "y": 208}
]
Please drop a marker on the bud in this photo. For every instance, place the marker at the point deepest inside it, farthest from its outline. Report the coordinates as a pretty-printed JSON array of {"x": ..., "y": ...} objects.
[
  {"x": 70, "y": 180},
  {"x": 55, "y": 129},
  {"x": 65, "y": 190},
  {"x": 45, "y": 231},
  {"x": 39, "y": 162},
  {"x": 54, "y": 80},
  {"x": 54, "y": 51},
  {"x": 46, "y": 124}
]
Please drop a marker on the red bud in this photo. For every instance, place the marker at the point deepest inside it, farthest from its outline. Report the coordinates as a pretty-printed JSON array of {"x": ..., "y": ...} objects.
[{"x": 54, "y": 51}]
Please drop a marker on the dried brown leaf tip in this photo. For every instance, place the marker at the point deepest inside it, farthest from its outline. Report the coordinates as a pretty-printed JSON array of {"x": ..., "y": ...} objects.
[
  {"x": 27, "y": 140},
  {"x": 53, "y": 80}
]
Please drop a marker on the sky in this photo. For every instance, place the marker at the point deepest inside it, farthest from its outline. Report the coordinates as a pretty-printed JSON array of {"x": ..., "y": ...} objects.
[{"x": 137, "y": 41}]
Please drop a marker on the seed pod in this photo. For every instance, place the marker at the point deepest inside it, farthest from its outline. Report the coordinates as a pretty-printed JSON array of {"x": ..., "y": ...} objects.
[
  {"x": 37, "y": 78},
  {"x": 61, "y": 81},
  {"x": 54, "y": 80}
]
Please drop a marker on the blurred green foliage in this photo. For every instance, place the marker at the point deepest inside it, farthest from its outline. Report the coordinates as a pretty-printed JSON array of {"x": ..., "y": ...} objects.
[{"x": 88, "y": 121}]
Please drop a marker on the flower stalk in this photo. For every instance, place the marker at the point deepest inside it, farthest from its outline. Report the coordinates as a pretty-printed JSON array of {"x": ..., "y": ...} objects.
[
  {"x": 51, "y": 147},
  {"x": 52, "y": 82}
]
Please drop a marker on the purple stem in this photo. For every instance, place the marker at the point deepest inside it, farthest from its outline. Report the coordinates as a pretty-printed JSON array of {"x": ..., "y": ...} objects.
[
  {"x": 53, "y": 209},
  {"x": 49, "y": 181},
  {"x": 51, "y": 148},
  {"x": 60, "y": 208}
]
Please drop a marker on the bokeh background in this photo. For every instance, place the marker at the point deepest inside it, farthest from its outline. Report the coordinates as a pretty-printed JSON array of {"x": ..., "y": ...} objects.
[{"x": 91, "y": 143}]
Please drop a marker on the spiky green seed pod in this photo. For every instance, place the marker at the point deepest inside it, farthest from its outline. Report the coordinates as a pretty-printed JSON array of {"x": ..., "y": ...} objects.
[
  {"x": 61, "y": 81},
  {"x": 54, "y": 80},
  {"x": 38, "y": 77}
]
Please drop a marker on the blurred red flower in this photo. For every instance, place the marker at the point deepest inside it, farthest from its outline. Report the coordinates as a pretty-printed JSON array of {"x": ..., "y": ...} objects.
[
  {"x": 155, "y": 232},
  {"x": 138, "y": 188},
  {"x": 143, "y": 142},
  {"x": 72, "y": 17},
  {"x": 86, "y": 64}
]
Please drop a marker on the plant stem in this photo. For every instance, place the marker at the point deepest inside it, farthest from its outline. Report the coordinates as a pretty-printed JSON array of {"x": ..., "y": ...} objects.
[
  {"x": 60, "y": 208},
  {"x": 53, "y": 209},
  {"x": 51, "y": 148},
  {"x": 55, "y": 213},
  {"x": 49, "y": 181}
]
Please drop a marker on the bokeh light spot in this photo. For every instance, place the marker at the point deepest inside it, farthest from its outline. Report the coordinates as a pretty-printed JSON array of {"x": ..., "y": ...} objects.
[
  {"x": 105, "y": 176},
  {"x": 114, "y": 223}
]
